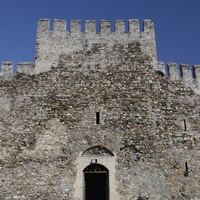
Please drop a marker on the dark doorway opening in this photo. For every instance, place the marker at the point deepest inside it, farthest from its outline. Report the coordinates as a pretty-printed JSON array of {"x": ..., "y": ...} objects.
[{"x": 96, "y": 178}]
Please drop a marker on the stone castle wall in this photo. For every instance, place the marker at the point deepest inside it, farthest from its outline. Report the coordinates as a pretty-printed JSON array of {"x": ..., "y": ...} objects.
[{"x": 147, "y": 135}]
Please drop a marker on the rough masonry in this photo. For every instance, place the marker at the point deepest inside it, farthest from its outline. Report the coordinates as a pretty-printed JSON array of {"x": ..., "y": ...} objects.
[{"x": 98, "y": 108}]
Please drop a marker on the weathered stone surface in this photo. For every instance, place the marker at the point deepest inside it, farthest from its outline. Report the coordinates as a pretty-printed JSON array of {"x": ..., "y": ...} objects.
[{"x": 147, "y": 134}]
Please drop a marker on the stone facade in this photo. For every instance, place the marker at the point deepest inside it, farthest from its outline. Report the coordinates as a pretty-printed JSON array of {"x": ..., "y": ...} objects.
[{"x": 99, "y": 96}]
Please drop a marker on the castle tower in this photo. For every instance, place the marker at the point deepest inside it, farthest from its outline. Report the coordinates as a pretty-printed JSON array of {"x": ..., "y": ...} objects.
[{"x": 50, "y": 45}]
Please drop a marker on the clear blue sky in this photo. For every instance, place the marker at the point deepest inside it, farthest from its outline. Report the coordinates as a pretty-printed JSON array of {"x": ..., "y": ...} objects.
[{"x": 177, "y": 24}]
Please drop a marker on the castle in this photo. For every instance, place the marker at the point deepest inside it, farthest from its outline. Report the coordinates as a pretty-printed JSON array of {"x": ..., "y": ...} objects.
[{"x": 98, "y": 117}]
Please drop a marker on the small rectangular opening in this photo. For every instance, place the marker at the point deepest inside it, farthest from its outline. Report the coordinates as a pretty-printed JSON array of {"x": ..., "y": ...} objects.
[
  {"x": 97, "y": 118},
  {"x": 185, "y": 125},
  {"x": 186, "y": 173},
  {"x": 186, "y": 167}
]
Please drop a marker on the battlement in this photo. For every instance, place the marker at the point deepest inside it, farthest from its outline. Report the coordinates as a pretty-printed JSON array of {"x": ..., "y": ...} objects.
[
  {"x": 51, "y": 44},
  {"x": 7, "y": 69},
  {"x": 91, "y": 26},
  {"x": 189, "y": 75},
  {"x": 63, "y": 40}
]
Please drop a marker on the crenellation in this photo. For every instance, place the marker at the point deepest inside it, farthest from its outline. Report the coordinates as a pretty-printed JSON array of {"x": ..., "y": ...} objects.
[
  {"x": 104, "y": 26},
  {"x": 51, "y": 44},
  {"x": 6, "y": 70},
  {"x": 173, "y": 71},
  {"x": 134, "y": 26},
  {"x": 148, "y": 26},
  {"x": 119, "y": 26},
  {"x": 60, "y": 25},
  {"x": 187, "y": 75},
  {"x": 43, "y": 25},
  {"x": 185, "y": 70},
  {"x": 75, "y": 26},
  {"x": 90, "y": 26},
  {"x": 25, "y": 67},
  {"x": 160, "y": 67}
]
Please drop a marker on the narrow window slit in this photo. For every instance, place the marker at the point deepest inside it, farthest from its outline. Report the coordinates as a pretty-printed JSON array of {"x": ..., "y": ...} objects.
[
  {"x": 186, "y": 167},
  {"x": 186, "y": 173},
  {"x": 185, "y": 125},
  {"x": 97, "y": 118}
]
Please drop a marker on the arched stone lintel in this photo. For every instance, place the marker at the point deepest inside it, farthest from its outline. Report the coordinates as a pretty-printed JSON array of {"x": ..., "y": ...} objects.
[{"x": 97, "y": 150}]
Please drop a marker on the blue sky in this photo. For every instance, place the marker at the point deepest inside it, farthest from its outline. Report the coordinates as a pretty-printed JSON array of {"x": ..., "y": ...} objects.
[{"x": 177, "y": 24}]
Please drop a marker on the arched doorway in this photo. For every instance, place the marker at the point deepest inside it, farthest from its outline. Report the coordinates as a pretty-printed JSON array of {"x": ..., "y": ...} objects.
[
  {"x": 96, "y": 179},
  {"x": 107, "y": 159}
]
